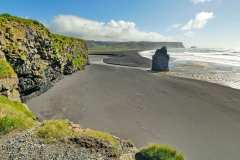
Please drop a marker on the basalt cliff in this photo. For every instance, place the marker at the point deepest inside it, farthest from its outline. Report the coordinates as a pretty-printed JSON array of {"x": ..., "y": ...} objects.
[{"x": 37, "y": 57}]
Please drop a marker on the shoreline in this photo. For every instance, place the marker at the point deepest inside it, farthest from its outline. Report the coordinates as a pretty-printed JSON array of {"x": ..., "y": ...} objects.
[
  {"x": 124, "y": 58},
  {"x": 203, "y": 113},
  {"x": 196, "y": 70},
  {"x": 187, "y": 111}
]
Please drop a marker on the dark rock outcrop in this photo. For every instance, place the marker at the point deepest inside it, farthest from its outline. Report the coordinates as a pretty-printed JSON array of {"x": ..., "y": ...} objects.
[
  {"x": 125, "y": 152},
  {"x": 8, "y": 80},
  {"x": 160, "y": 60},
  {"x": 38, "y": 57}
]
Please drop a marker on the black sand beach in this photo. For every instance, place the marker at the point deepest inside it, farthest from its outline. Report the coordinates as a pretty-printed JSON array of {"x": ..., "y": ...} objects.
[
  {"x": 130, "y": 58},
  {"x": 200, "y": 119}
]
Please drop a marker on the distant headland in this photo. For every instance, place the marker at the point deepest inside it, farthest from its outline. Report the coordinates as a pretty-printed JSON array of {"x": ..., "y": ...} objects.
[{"x": 103, "y": 46}]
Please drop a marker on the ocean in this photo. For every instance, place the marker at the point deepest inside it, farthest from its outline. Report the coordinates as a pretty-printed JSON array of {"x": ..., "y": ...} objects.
[{"x": 221, "y": 66}]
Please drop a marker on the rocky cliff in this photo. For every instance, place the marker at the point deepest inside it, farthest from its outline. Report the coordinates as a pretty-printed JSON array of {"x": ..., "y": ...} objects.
[
  {"x": 8, "y": 80},
  {"x": 38, "y": 57}
]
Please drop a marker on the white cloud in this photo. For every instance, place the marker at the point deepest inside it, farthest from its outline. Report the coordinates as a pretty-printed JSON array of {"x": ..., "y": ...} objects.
[
  {"x": 101, "y": 31},
  {"x": 200, "y": 1},
  {"x": 189, "y": 34},
  {"x": 199, "y": 22},
  {"x": 176, "y": 26}
]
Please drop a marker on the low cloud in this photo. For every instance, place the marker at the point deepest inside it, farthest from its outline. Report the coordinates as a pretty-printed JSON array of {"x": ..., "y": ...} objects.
[
  {"x": 189, "y": 34},
  {"x": 176, "y": 26},
  {"x": 198, "y": 22},
  {"x": 102, "y": 31},
  {"x": 200, "y": 1}
]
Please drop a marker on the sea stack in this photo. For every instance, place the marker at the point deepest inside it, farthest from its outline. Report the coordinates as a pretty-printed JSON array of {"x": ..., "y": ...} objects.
[{"x": 160, "y": 60}]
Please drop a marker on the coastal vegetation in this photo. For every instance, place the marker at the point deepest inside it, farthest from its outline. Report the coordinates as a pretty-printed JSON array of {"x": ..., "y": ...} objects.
[
  {"x": 100, "y": 135},
  {"x": 72, "y": 49},
  {"x": 159, "y": 152},
  {"x": 54, "y": 130},
  {"x": 5, "y": 69},
  {"x": 15, "y": 116}
]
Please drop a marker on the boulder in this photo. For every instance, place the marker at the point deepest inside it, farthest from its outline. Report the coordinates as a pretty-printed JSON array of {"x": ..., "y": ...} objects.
[{"x": 160, "y": 60}]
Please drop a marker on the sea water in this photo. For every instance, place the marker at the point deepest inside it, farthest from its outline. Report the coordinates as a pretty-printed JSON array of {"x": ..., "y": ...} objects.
[{"x": 221, "y": 66}]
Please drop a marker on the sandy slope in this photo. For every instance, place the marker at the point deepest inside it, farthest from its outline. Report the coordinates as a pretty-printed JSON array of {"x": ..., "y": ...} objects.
[{"x": 201, "y": 119}]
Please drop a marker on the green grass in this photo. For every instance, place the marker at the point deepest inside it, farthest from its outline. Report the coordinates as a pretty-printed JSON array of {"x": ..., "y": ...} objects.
[
  {"x": 54, "y": 130},
  {"x": 160, "y": 152},
  {"x": 5, "y": 69},
  {"x": 79, "y": 62},
  {"x": 14, "y": 116},
  {"x": 101, "y": 135},
  {"x": 73, "y": 50},
  {"x": 5, "y": 17}
]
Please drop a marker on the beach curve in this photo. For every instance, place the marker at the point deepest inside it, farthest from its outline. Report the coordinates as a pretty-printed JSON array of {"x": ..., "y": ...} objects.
[{"x": 196, "y": 117}]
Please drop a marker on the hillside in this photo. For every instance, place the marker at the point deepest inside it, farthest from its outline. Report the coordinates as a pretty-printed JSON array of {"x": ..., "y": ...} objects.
[
  {"x": 38, "y": 57},
  {"x": 98, "y": 46}
]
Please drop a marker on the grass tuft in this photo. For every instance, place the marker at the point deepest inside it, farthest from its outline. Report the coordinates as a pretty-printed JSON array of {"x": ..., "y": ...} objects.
[
  {"x": 14, "y": 116},
  {"x": 159, "y": 152},
  {"x": 100, "y": 135},
  {"x": 54, "y": 130}
]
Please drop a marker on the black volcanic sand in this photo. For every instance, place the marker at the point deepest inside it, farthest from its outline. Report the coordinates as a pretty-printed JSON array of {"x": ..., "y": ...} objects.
[
  {"x": 126, "y": 58},
  {"x": 200, "y": 119}
]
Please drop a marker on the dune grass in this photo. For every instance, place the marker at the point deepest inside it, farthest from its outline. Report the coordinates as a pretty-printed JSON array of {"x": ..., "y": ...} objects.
[
  {"x": 159, "y": 152},
  {"x": 14, "y": 116}
]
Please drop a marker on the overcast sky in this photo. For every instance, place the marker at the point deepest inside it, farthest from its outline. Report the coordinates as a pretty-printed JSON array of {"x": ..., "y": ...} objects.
[{"x": 204, "y": 23}]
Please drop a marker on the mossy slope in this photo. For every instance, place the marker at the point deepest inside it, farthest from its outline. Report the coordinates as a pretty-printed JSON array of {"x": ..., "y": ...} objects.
[
  {"x": 6, "y": 71},
  {"x": 71, "y": 50},
  {"x": 38, "y": 57},
  {"x": 14, "y": 116}
]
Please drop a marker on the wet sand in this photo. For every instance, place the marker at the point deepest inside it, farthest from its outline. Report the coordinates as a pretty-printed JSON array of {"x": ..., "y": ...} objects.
[
  {"x": 203, "y": 71},
  {"x": 200, "y": 119},
  {"x": 130, "y": 58},
  {"x": 214, "y": 73}
]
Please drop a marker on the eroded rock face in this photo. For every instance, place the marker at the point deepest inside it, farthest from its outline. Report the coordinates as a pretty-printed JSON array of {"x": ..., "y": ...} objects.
[
  {"x": 8, "y": 80},
  {"x": 160, "y": 60},
  {"x": 9, "y": 88},
  {"x": 33, "y": 61},
  {"x": 38, "y": 57},
  {"x": 125, "y": 152}
]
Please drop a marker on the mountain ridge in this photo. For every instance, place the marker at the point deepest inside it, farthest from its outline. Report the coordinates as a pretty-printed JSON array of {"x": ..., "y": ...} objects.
[{"x": 101, "y": 46}]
